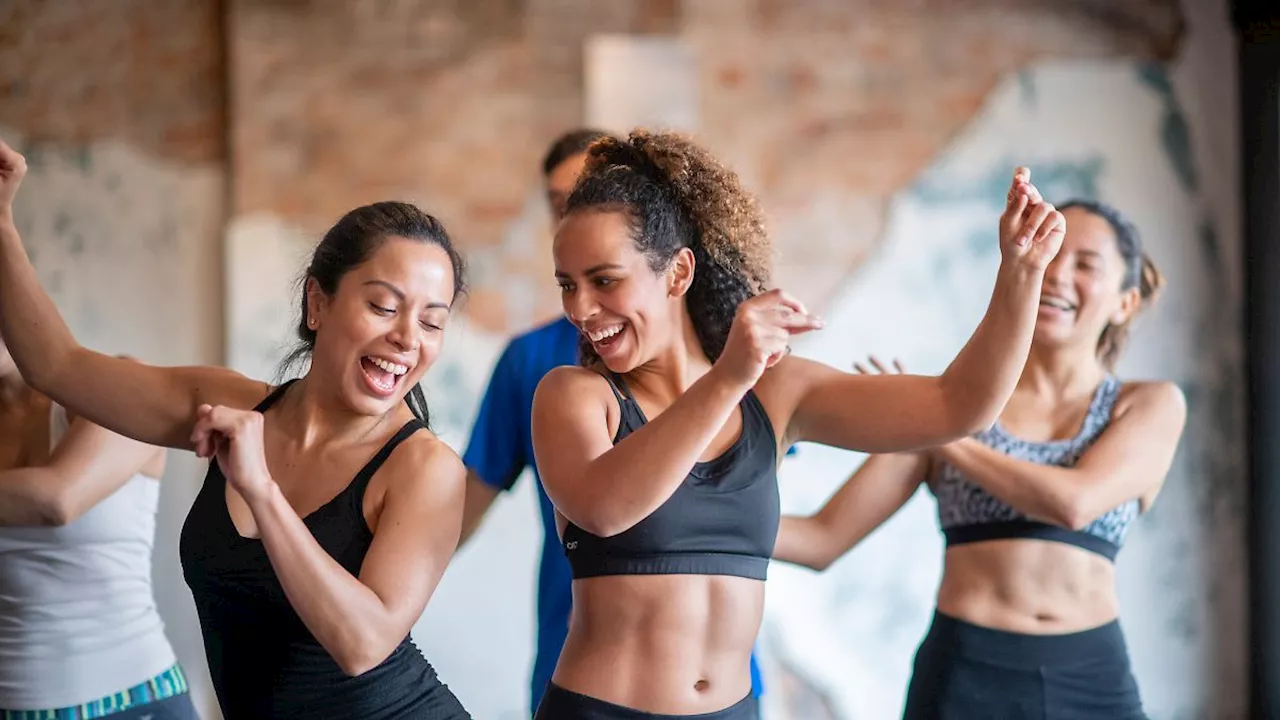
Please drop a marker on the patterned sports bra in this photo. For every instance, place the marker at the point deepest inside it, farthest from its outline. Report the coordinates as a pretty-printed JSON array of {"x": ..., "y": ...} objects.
[{"x": 968, "y": 514}]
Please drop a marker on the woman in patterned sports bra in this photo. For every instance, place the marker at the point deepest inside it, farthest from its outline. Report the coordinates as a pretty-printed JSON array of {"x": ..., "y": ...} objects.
[
  {"x": 1035, "y": 508},
  {"x": 660, "y": 453},
  {"x": 329, "y": 511}
]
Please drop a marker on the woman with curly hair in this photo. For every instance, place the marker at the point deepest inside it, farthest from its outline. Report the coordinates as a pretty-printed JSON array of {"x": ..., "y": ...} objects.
[{"x": 661, "y": 451}]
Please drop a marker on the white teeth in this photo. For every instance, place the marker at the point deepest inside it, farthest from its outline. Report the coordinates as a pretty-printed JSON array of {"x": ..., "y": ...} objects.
[
  {"x": 598, "y": 335},
  {"x": 390, "y": 367},
  {"x": 1056, "y": 303}
]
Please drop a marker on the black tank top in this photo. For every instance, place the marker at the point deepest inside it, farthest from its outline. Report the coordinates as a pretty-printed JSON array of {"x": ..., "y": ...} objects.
[
  {"x": 263, "y": 659},
  {"x": 722, "y": 520}
]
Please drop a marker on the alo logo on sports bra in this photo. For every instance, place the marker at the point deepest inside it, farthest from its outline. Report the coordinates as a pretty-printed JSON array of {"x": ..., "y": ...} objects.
[
  {"x": 969, "y": 514},
  {"x": 722, "y": 520}
]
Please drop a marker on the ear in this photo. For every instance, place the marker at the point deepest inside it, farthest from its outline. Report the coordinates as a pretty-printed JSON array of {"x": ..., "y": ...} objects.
[
  {"x": 680, "y": 276},
  {"x": 1130, "y": 300},
  {"x": 317, "y": 304}
]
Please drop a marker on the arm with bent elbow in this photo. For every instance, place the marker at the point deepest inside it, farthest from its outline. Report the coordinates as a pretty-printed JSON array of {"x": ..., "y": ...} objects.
[
  {"x": 910, "y": 412},
  {"x": 605, "y": 488},
  {"x": 360, "y": 619},
  {"x": 1129, "y": 460},
  {"x": 149, "y": 404},
  {"x": 87, "y": 466},
  {"x": 870, "y": 496}
]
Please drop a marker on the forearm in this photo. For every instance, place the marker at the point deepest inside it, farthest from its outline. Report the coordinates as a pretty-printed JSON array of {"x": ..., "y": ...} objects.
[
  {"x": 633, "y": 478},
  {"x": 345, "y": 616},
  {"x": 805, "y": 541},
  {"x": 28, "y": 497},
  {"x": 35, "y": 334},
  {"x": 1044, "y": 492},
  {"x": 983, "y": 375}
]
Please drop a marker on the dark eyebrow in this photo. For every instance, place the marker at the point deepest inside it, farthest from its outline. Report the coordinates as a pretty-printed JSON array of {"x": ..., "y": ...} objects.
[
  {"x": 595, "y": 269},
  {"x": 400, "y": 293},
  {"x": 1091, "y": 253}
]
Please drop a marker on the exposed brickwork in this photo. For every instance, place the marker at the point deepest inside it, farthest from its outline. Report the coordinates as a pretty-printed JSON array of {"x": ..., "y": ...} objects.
[
  {"x": 148, "y": 72},
  {"x": 451, "y": 103}
]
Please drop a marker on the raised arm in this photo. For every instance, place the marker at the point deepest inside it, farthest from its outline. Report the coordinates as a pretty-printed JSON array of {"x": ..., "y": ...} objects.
[
  {"x": 890, "y": 413},
  {"x": 1128, "y": 461},
  {"x": 867, "y": 499},
  {"x": 358, "y": 619},
  {"x": 88, "y": 465},
  {"x": 149, "y": 404},
  {"x": 605, "y": 488}
]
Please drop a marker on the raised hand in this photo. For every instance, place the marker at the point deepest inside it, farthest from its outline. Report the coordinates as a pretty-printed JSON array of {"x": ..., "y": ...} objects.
[
  {"x": 762, "y": 329},
  {"x": 1031, "y": 230},
  {"x": 861, "y": 369},
  {"x": 234, "y": 437},
  {"x": 13, "y": 167}
]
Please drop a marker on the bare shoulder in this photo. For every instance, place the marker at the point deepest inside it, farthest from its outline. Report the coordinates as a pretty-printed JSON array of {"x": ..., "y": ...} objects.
[
  {"x": 1159, "y": 397},
  {"x": 425, "y": 463},
  {"x": 573, "y": 385}
]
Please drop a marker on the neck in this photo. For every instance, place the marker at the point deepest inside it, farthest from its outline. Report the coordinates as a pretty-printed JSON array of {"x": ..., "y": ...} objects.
[
  {"x": 1061, "y": 372},
  {"x": 670, "y": 374},
  {"x": 318, "y": 417}
]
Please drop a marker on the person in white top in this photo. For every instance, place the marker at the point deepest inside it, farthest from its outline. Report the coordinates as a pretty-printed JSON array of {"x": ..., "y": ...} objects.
[{"x": 80, "y": 636}]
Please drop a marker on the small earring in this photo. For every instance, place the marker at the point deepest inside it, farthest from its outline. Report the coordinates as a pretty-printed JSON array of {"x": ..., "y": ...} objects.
[{"x": 311, "y": 323}]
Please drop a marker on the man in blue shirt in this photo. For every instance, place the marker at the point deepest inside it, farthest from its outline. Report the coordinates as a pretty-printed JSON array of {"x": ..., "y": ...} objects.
[{"x": 501, "y": 445}]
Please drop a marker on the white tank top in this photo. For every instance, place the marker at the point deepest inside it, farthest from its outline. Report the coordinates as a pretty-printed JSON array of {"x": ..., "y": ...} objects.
[{"x": 78, "y": 620}]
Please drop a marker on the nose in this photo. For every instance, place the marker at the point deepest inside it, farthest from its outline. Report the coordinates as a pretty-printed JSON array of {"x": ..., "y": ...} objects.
[
  {"x": 405, "y": 333},
  {"x": 579, "y": 305},
  {"x": 1058, "y": 274}
]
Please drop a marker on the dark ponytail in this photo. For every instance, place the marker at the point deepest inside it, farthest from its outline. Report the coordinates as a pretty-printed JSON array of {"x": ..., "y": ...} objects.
[{"x": 676, "y": 195}]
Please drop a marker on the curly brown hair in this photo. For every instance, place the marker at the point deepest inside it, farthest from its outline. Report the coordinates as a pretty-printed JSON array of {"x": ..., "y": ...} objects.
[{"x": 676, "y": 195}]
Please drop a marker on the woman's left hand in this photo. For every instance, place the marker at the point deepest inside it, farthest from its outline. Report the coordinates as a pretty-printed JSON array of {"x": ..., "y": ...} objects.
[{"x": 234, "y": 437}]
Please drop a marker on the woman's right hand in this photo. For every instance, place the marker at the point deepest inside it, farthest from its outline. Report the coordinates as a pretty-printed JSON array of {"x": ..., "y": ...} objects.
[
  {"x": 759, "y": 337},
  {"x": 13, "y": 167},
  {"x": 1031, "y": 230}
]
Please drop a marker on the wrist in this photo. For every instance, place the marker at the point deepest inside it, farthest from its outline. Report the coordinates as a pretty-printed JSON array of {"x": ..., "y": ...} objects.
[
  {"x": 725, "y": 382},
  {"x": 264, "y": 493}
]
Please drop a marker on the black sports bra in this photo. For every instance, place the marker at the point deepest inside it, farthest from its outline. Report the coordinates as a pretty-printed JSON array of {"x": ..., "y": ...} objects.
[{"x": 722, "y": 520}]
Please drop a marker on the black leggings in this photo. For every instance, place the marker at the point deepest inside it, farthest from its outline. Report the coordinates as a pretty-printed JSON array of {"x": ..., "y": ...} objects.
[
  {"x": 561, "y": 704},
  {"x": 966, "y": 671}
]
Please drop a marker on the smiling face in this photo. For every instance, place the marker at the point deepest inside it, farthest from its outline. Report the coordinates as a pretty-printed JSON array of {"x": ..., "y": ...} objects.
[
  {"x": 381, "y": 329},
  {"x": 1082, "y": 292},
  {"x": 609, "y": 290}
]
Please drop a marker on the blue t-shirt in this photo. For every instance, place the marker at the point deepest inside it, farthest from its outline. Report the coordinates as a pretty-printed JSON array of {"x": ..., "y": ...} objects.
[{"x": 501, "y": 447}]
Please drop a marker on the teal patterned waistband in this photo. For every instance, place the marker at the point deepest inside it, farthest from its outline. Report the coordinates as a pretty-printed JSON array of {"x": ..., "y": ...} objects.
[{"x": 165, "y": 685}]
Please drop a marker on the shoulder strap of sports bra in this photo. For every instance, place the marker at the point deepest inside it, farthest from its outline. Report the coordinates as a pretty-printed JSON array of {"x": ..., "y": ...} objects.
[
  {"x": 619, "y": 387},
  {"x": 274, "y": 396},
  {"x": 370, "y": 468},
  {"x": 1100, "y": 409}
]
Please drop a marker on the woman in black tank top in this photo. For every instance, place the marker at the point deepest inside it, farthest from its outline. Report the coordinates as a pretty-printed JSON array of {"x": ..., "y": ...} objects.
[
  {"x": 331, "y": 512},
  {"x": 660, "y": 454}
]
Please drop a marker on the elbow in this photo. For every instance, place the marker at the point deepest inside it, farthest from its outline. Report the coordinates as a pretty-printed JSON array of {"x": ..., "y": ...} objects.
[
  {"x": 978, "y": 419},
  {"x": 362, "y": 656},
  {"x": 603, "y": 527},
  {"x": 820, "y": 563},
  {"x": 1074, "y": 512},
  {"x": 55, "y": 511}
]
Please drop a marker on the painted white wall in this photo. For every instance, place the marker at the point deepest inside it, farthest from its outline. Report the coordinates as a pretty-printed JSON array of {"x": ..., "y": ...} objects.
[{"x": 129, "y": 249}]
